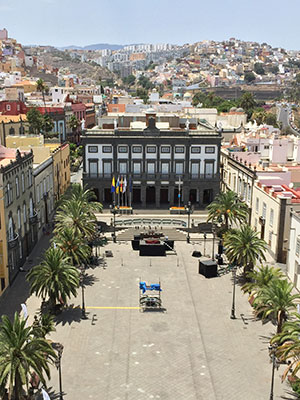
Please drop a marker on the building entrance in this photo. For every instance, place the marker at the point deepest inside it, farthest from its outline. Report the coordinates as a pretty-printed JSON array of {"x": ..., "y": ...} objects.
[
  {"x": 207, "y": 196},
  {"x": 136, "y": 195},
  {"x": 107, "y": 195},
  {"x": 193, "y": 196},
  {"x": 150, "y": 194},
  {"x": 164, "y": 196}
]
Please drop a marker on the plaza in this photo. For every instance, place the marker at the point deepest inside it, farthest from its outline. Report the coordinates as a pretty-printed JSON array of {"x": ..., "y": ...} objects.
[{"x": 191, "y": 349}]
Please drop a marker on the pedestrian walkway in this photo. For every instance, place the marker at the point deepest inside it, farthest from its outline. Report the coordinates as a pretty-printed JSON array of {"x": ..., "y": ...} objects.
[{"x": 18, "y": 292}]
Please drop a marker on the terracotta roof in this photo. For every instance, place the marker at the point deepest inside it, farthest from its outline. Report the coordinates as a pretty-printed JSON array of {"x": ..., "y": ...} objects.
[{"x": 13, "y": 118}]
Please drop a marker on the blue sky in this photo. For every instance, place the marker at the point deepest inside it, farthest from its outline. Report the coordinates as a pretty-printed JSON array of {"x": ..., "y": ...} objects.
[{"x": 77, "y": 22}]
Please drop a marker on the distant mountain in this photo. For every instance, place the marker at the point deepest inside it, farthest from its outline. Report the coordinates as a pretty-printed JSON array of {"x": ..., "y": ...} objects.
[{"x": 99, "y": 46}]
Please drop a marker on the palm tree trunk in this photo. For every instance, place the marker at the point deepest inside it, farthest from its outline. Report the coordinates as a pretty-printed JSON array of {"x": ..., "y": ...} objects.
[{"x": 226, "y": 221}]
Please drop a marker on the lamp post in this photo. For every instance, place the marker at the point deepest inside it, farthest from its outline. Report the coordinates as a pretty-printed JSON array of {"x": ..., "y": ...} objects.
[
  {"x": 232, "y": 316},
  {"x": 213, "y": 244},
  {"x": 114, "y": 211},
  {"x": 83, "y": 315},
  {"x": 188, "y": 209},
  {"x": 59, "y": 348},
  {"x": 272, "y": 350}
]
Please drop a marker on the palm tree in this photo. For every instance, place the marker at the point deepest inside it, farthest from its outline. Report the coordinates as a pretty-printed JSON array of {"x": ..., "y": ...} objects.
[
  {"x": 243, "y": 247},
  {"x": 73, "y": 122},
  {"x": 227, "y": 208},
  {"x": 87, "y": 196},
  {"x": 55, "y": 277},
  {"x": 260, "y": 278},
  {"x": 288, "y": 342},
  {"x": 276, "y": 299},
  {"x": 75, "y": 214},
  {"x": 21, "y": 354},
  {"x": 43, "y": 326},
  {"x": 43, "y": 88},
  {"x": 74, "y": 246}
]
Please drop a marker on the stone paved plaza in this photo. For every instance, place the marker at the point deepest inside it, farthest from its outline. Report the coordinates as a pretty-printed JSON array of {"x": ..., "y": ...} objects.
[{"x": 191, "y": 351}]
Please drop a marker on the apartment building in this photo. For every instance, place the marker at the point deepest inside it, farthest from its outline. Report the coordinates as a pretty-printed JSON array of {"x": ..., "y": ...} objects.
[{"x": 293, "y": 259}]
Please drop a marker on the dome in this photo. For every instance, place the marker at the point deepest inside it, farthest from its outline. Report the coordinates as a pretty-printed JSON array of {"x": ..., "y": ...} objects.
[
  {"x": 233, "y": 109},
  {"x": 150, "y": 111},
  {"x": 187, "y": 94},
  {"x": 240, "y": 109}
]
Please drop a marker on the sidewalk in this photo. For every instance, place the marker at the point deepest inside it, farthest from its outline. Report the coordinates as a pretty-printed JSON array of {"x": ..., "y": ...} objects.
[{"x": 18, "y": 292}]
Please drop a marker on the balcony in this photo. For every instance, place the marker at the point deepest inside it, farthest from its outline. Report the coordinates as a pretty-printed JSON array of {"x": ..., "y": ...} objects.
[
  {"x": 12, "y": 242},
  {"x": 33, "y": 219},
  {"x": 157, "y": 176}
]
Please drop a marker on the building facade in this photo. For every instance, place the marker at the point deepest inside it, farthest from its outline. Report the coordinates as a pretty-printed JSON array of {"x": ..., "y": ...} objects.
[
  {"x": 19, "y": 208},
  {"x": 293, "y": 259},
  {"x": 61, "y": 170},
  {"x": 44, "y": 195},
  {"x": 166, "y": 163}
]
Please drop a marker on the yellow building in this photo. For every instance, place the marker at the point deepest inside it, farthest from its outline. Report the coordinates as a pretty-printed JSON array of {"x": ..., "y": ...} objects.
[
  {"x": 29, "y": 86},
  {"x": 12, "y": 125},
  {"x": 3, "y": 246},
  {"x": 61, "y": 169}
]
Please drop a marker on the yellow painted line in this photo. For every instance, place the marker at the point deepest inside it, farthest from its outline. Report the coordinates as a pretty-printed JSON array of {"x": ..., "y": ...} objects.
[{"x": 114, "y": 308}]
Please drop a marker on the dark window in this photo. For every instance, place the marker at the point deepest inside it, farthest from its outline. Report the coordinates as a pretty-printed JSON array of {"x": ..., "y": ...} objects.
[
  {"x": 11, "y": 131},
  {"x": 107, "y": 149},
  {"x": 123, "y": 149},
  {"x": 165, "y": 149},
  {"x": 151, "y": 149},
  {"x": 196, "y": 149},
  {"x": 92, "y": 149},
  {"x": 136, "y": 149},
  {"x": 179, "y": 149},
  {"x": 209, "y": 149}
]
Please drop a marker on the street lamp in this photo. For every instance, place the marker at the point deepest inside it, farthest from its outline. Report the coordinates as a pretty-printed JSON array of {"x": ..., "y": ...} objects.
[
  {"x": 272, "y": 350},
  {"x": 232, "y": 316},
  {"x": 114, "y": 212},
  {"x": 213, "y": 244},
  {"x": 59, "y": 348},
  {"x": 188, "y": 209},
  {"x": 83, "y": 315}
]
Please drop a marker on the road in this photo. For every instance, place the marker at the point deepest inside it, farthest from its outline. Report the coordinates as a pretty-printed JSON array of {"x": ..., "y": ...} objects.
[{"x": 283, "y": 117}]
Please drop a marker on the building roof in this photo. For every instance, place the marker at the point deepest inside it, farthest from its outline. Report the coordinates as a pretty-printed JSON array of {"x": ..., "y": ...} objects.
[{"x": 13, "y": 118}]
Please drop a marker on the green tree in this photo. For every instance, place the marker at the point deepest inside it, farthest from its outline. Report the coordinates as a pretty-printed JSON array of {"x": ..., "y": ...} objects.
[
  {"x": 87, "y": 196},
  {"x": 260, "y": 278},
  {"x": 259, "y": 69},
  {"x": 35, "y": 120},
  {"x": 55, "y": 278},
  {"x": 288, "y": 341},
  {"x": 48, "y": 123},
  {"x": 244, "y": 248},
  {"x": 227, "y": 208},
  {"x": 276, "y": 300},
  {"x": 129, "y": 80},
  {"x": 21, "y": 354},
  {"x": 74, "y": 246},
  {"x": 73, "y": 122},
  {"x": 259, "y": 116},
  {"x": 76, "y": 215},
  {"x": 249, "y": 77},
  {"x": 271, "y": 119},
  {"x": 43, "y": 326},
  {"x": 43, "y": 88},
  {"x": 248, "y": 103}
]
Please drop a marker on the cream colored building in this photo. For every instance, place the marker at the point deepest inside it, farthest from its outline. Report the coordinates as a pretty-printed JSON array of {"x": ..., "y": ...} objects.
[
  {"x": 272, "y": 205},
  {"x": 293, "y": 259},
  {"x": 44, "y": 195}
]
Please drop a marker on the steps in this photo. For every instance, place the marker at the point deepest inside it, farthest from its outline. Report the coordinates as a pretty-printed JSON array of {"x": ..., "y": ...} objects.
[{"x": 172, "y": 234}]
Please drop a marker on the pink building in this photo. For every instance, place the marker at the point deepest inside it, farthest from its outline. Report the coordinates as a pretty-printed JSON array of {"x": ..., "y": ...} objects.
[{"x": 3, "y": 34}]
